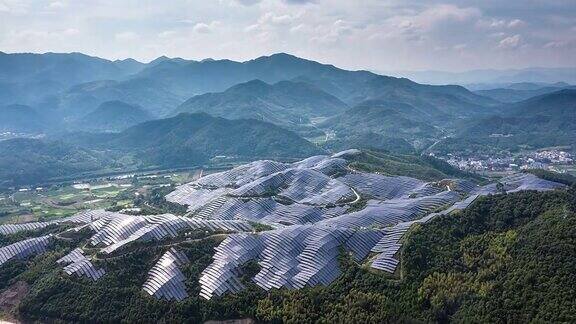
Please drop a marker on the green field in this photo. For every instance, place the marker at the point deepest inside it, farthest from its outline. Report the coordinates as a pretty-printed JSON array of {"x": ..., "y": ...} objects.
[{"x": 62, "y": 200}]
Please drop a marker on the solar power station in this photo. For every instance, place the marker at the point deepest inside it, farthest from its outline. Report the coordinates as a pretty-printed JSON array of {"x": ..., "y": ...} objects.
[{"x": 316, "y": 208}]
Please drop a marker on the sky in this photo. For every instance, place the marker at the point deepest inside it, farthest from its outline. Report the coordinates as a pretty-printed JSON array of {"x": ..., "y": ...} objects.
[{"x": 381, "y": 35}]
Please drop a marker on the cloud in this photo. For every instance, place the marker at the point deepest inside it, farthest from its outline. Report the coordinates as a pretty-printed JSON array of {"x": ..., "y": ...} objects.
[
  {"x": 501, "y": 23},
  {"x": 561, "y": 44},
  {"x": 371, "y": 34},
  {"x": 204, "y": 28},
  {"x": 511, "y": 42},
  {"x": 516, "y": 23},
  {"x": 13, "y": 7},
  {"x": 167, "y": 34},
  {"x": 57, "y": 5}
]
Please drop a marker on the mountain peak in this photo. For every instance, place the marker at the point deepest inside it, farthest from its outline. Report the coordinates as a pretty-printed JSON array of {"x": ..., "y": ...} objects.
[{"x": 251, "y": 86}]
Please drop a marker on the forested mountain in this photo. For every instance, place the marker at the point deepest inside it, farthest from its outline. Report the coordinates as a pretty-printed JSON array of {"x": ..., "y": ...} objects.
[
  {"x": 352, "y": 87},
  {"x": 182, "y": 141},
  {"x": 30, "y": 77},
  {"x": 387, "y": 119},
  {"x": 522, "y": 91},
  {"x": 113, "y": 116},
  {"x": 543, "y": 121},
  {"x": 492, "y": 76},
  {"x": 284, "y": 103},
  {"x": 73, "y": 85},
  {"x": 192, "y": 139},
  {"x": 21, "y": 119},
  {"x": 560, "y": 103},
  {"x": 364, "y": 109},
  {"x": 26, "y": 161},
  {"x": 84, "y": 98}
]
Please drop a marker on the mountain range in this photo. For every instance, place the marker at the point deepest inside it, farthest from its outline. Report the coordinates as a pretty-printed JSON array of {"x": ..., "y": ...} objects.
[
  {"x": 176, "y": 112},
  {"x": 543, "y": 121},
  {"x": 113, "y": 116},
  {"x": 285, "y": 103},
  {"x": 182, "y": 141},
  {"x": 492, "y": 76},
  {"x": 516, "y": 92}
]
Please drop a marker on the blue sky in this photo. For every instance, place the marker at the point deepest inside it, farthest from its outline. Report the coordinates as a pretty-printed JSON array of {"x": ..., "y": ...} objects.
[{"x": 357, "y": 34}]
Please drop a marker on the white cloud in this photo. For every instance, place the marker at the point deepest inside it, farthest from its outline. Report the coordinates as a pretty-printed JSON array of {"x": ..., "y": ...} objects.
[
  {"x": 516, "y": 23},
  {"x": 510, "y": 42},
  {"x": 204, "y": 28},
  {"x": 560, "y": 44},
  {"x": 377, "y": 34},
  {"x": 14, "y": 7},
  {"x": 57, "y": 5},
  {"x": 167, "y": 34}
]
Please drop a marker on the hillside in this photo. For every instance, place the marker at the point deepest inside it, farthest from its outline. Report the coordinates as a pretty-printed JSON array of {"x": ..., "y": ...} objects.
[
  {"x": 560, "y": 103},
  {"x": 510, "y": 95},
  {"x": 422, "y": 167},
  {"x": 84, "y": 98},
  {"x": 283, "y": 103},
  {"x": 21, "y": 119},
  {"x": 388, "y": 119},
  {"x": 113, "y": 116},
  {"x": 543, "y": 121},
  {"x": 32, "y": 77},
  {"x": 73, "y": 85},
  {"x": 29, "y": 161},
  {"x": 490, "y": 261},
  {"x": 193, "y": 139},
  {"x": 352, "y": 87}
]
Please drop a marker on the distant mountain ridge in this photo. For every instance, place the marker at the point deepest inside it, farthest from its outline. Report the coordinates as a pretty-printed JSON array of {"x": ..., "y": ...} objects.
[
  {"x": 517, "y": 92},
  {"x": 185, "y": 140},
  {"x": 165, "y": 83},
  {"x": 351, "y": 87},
  {"x": 194, "y": 139},
  {"x": 21, "y": 119},
  {"x": 387, "y": 119},
  {"x": 533, "y": 74},
  {"x": 285, "y": 103},
  {"x": 114, "y": 116},
  {"x": 544, "y": 121},
  {"x": 86, "y": 97},
  {"x": 30, "y": 77}
]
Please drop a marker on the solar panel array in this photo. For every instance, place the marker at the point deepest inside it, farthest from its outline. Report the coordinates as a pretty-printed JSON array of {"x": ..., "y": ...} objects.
[
  {"x": 521, "y": 181},
  {"x": 80, "y": 218},
  {"x": 116, "y": 230},
  {"x": 77, "y": 263},
  {"x": 165, "y": 279},
  {"x": 382, "y": 187},
  {"x": 306, "y": 202},
  {"x": 291, "y": 257},
  {"x": 386, "y": 213},
  {"x": 316, "y": 224},
  {"x": 24, "y": 249}
]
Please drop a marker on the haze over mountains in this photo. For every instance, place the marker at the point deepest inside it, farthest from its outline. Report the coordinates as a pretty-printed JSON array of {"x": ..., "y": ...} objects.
[
  {"x": 493, "y": 77},
  {"x": 272, "y": 106}
]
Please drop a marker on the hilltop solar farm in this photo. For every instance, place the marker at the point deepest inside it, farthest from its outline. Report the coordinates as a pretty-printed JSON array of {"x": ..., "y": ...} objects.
[{"x": 293, "y": 220}]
